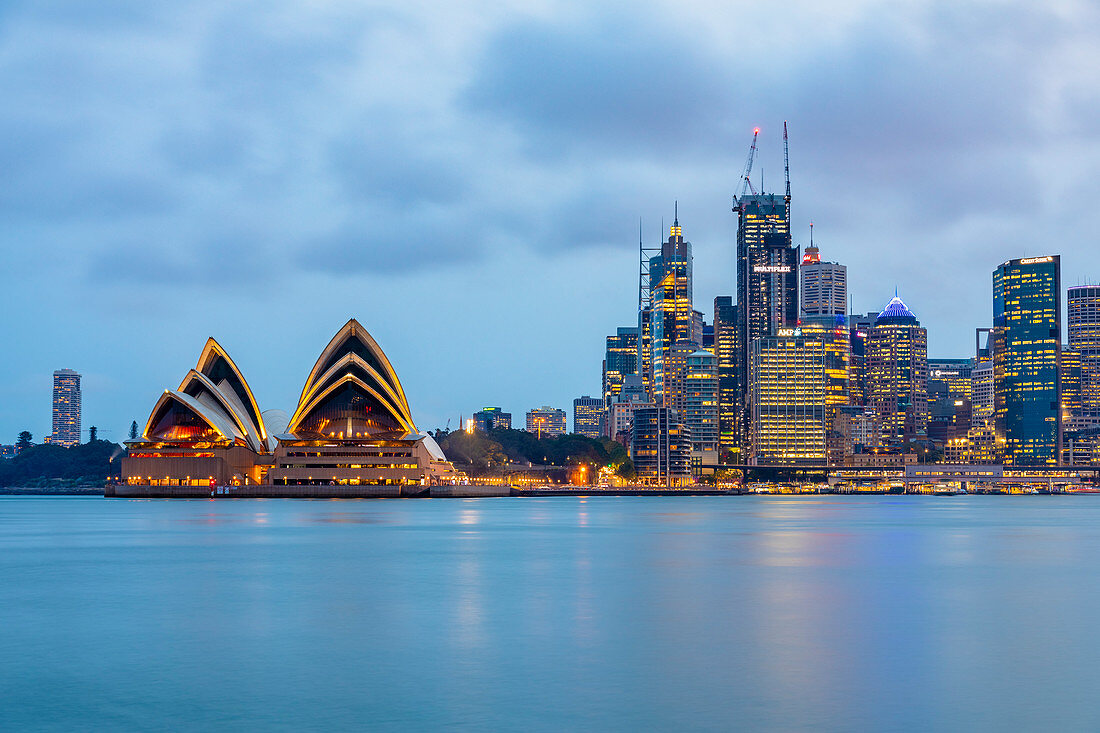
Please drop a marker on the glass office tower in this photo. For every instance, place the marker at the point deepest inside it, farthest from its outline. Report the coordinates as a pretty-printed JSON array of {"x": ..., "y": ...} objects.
[{"x": 1027, "y": 339}]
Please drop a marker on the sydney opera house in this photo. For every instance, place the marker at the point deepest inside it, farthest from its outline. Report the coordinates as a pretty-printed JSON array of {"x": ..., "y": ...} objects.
[{"x": 351, "y": 434}]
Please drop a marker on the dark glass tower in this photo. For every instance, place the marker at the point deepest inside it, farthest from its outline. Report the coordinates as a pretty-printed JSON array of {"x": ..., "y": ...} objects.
[
  {"x": 1027, "y": 341},
  {"x": 725, "y": 348},
  {"x": 620, "y": 359},
  {"x": 767, "y": 279}
]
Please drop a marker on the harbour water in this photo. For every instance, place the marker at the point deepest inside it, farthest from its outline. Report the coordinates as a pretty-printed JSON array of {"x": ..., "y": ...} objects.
[{"x": 609, "y": 613}]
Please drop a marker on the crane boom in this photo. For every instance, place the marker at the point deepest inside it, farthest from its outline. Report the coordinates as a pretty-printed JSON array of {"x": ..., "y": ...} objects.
[{"x": 744, "y": 182}]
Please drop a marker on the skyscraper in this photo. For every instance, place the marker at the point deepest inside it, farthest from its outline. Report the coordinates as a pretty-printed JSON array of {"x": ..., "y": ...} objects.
[
  {"x": 1070, "y": 394},
  {"x": 699, "y": 404},
  {"x": 788, "y": 398},
  {"x": 588, "y": 416},
  {"x": 1027, "y": 339},
  {"x": 949, "y": 399},
  {"x": 767, "y": 279},
  {"x": 982, "y": 403},
  {"x": 823, "y": 285},
  {"x": 834, "y": 334},
  {"x": 66, "y": 408},
  {"x": 620, "y": 359},
  {"x": 660, "y": 447},
  {"x": 1083, "y": 323},
  {"x": 672, "y": 318},
  {"x": 725, "y": 349},
  {"x": 897, "y": 374}
]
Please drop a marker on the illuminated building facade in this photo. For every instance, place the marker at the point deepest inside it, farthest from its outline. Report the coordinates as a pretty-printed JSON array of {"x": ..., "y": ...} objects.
[
  {"x": 949, "y": 399},
  {"x": 660, "y": 447},
  {"x": 672, "y": 319},
  {"x": 857, "y": 364},
  {"x": 823, "y": 286},
  {"x": 1070, "y": 395},
  {"x": 725, "y": 350},
  {"x": 1027, "y": 330},
  {"x": 351, "y": 432},
  {"x": 833, "y": 331},
  {"x": 858, "y": 429},
  {"x": 353, "y": 426},
  {"x": 620, "y": 416},
  {"x": 492, "y": 418},
  {"x": 207, "y": 430},
  {"x": 588, "y": 416},
  {"x": 620, "y": 359},
  {"x": 896, "y": 374},
  {"x": 700, "y": 400},
  {"x": 981, "y": 395},
  {"x": 546, "y": 421},
  {"x": 1083, "y": 325},
  {"x": 767, "y": 280},
  {"x": 66, "y": 408},
  {"x": 788, "y": 386}
]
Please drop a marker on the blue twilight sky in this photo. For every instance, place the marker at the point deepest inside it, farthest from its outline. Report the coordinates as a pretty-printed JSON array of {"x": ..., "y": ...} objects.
[{"x": 467, "y": 179}]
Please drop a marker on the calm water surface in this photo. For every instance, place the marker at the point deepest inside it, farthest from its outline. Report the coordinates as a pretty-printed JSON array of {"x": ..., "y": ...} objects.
[{"x": 709, "y": 613}]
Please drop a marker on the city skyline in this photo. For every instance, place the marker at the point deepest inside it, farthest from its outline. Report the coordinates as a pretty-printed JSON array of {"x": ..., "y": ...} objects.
[{"x": 928, "y": 198}]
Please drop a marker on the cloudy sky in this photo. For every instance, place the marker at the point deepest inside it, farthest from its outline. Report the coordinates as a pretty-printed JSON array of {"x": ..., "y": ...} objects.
[{"x": 466, "y": 180}]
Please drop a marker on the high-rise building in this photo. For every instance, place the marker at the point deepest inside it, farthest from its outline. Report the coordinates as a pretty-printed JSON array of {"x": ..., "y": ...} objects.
[
  {"x": 833, "y": 332},
  {"x": 1083, "y": 324},
  {"x": 1027, "y": 330},
  {"x": 492, "y": 418},
  {"x": 897, "y": 374},
  {"x": 620, "y": 416},
  {"x": 672, "y": 319},
  {"x": 823, "y": 286},
  {"x": 858, "y": 429},
  {"x": 588, "y": 416},
  {"x": 546, "y": 421},
  {"x": 660, "y": 447},
  {"x": 1070, "y": 393},
  {"x": 700, "y": 400},
  {"x": 620, "y": 359},
  {"x": 767, "y": 280},
  {"x": 729, "y": 405},
  {"x": 949, "y": 399},
  {"x": 857, "y": 364},
  {"x": 981, "y": 395},
  {"x": 788, "y": 387},
  {"x": 66, "y": 408}
]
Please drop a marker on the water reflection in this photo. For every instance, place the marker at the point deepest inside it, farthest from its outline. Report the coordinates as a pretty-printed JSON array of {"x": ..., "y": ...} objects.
[{"x": 551, "y": 614}]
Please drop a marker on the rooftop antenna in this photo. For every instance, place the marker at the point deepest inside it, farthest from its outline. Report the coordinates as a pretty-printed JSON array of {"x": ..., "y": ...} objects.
[
  {"x": 787, "y": 171},
  {"x": 811, "y": 223}
]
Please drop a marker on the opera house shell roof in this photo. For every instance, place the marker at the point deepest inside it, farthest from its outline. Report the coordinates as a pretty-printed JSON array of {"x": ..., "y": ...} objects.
[
  {"x": 352, "y": 426},
  {"x": 213, "y": 405}
]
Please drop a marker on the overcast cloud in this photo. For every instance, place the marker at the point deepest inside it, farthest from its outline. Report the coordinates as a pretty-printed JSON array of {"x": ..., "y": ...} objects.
[{"x": 467, "y": 181}]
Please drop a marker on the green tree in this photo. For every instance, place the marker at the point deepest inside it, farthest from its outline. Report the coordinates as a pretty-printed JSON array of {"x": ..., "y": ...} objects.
[
  {"x": 133, "y": 430},
  {"x": 26, "y": 440}
]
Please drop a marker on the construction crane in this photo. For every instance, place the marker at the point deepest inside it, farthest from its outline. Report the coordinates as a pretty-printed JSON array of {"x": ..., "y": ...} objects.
[{"x": 746, "y": 185}]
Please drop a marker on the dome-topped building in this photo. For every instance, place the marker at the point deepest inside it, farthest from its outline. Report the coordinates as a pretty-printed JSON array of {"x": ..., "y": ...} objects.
[
  {"x": 897, "y": 374},
  {"x": 896, "y": 311}
]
